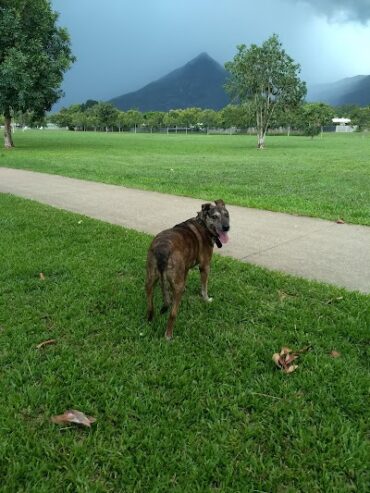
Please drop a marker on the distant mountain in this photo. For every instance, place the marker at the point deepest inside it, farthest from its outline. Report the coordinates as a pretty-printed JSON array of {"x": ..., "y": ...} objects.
[
  {"x": 352, "y": 90},
  {"x": 199, "y": 83}
]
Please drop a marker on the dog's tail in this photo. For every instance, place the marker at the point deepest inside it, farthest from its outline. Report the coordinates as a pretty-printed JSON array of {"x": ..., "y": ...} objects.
[{"x": 162, "y": 256}]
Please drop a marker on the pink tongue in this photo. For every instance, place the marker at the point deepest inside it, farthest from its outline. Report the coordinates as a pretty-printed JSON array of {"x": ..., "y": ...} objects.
[{"x": 224, "y": 238}]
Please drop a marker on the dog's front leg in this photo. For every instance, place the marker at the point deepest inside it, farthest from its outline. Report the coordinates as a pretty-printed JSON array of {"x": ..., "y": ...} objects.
[{"x": 204, "y": 272}]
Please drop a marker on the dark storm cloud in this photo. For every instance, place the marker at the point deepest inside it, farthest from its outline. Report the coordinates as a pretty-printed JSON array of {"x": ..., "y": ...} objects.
[
  {"x": 122, "y": 45},
  {"x": 358, "y": 10}
]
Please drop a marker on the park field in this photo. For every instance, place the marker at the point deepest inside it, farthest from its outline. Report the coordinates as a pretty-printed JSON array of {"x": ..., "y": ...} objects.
[
  {"x": 208, "y": 412},
  {"x": 327, "y": 178}
]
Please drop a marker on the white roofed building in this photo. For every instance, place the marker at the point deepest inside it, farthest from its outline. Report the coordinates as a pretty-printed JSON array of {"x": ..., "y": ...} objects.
[
  {"x": 343, "y": 125},
  {"x": 341, "y": 121}
]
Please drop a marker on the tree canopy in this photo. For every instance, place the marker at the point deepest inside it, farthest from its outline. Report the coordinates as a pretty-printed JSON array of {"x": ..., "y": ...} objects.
[
  {"x": 266, "y": 77},
  {"x": 34, "y": 54},
  {"x": 314, "y": 116}
]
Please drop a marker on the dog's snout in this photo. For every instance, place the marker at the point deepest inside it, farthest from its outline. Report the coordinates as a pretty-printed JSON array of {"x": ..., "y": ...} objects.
[{"x": 225, "y": 228}]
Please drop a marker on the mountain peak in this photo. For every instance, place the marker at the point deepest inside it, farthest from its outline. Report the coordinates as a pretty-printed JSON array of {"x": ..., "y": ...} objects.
[
  {"x": 203, "y": 56},
  {"x": 198, "y": 83}
]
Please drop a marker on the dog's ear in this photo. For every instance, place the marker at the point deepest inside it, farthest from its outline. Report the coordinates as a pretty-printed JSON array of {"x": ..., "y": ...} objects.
[
  {"x": 203, "y": 213},
  {"x": 220, "y": 203}
]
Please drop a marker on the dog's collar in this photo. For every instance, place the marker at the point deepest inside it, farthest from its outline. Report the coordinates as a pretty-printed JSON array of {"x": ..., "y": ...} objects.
[
  {"x": 217, "y": 241},
  {"x": 215, "y": 238}
]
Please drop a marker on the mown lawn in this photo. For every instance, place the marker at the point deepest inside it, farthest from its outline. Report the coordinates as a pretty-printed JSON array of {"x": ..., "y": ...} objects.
[
  {"x": 208, "y": 412},
  {"x": 328, "y": 178}
]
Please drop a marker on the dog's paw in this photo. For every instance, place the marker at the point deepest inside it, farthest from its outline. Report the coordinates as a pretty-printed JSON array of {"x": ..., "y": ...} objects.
[{"x": 206, "y": 298}]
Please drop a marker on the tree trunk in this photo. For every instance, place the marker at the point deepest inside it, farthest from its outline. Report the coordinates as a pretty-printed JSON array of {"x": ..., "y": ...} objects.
[
  {"x": 8, "y": 138},
  {"x": 260, "y": 138},
  {"x": 260, "y": 131}
]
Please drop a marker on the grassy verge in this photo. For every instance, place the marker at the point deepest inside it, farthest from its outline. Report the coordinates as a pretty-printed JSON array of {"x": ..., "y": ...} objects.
[
  {"x": 207, "y": 412},
  {"x": 328, "y": 178}
]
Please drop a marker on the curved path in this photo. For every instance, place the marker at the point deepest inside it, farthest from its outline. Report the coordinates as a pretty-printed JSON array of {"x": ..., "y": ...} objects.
[{"x": 311, "y": 248}]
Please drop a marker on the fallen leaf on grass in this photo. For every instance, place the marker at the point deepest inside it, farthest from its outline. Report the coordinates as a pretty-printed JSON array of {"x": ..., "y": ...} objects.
[
  {"x": 283, "y": 295},
  {"x": 291, "y": 368},
  {"x": 340, "y": 221},
  {"x": 335, "y": 354},
  {"x": 285, "y": 358},
  {"x": 290, "y": 358},
  {"x": 42, "y": 276},
  {"x": 73, "y": 416},
  {"x": 46, "y": 343},
  {"x": 338, "y": 298}
]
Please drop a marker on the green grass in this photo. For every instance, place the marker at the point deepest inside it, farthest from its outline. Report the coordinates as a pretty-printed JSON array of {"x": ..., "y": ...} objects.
[
  {"x": 208, "y": 412},
  {"x": 328, "y": 178}
]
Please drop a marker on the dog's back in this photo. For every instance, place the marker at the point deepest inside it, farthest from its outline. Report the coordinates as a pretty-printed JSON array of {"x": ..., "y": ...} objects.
[{"x": 186, "y": 239}]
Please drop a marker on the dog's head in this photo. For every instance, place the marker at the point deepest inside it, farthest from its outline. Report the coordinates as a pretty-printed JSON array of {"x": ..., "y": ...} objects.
[{"x": 217, "y": 221}]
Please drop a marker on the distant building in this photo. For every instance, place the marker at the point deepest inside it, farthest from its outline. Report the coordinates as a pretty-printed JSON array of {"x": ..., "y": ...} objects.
[
  {"x": 343, "y": 125},
  {"x": 341, "y": 121},
  {"x": 51, "y": 126}
]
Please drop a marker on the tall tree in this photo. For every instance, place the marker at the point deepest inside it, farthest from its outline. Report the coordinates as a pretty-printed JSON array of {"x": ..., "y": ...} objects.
[
  {"x": 268, "y": 78},
  {"x": 106, "y": 115},
  {"x": 314, "y": 116},
  {"x": 34, "y": 54}
]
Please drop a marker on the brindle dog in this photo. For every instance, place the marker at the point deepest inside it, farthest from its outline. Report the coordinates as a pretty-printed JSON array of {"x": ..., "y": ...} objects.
[{"x": 174, "y": 251}]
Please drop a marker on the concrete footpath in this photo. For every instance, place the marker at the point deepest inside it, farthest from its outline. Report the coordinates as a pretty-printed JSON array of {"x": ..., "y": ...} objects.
[{"x": 312, "y": 248}]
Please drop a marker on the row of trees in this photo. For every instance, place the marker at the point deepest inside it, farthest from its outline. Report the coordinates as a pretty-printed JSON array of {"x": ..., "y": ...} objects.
[
  {"x": 308, "y": 118},
  {"x": 95, "y": 115}
]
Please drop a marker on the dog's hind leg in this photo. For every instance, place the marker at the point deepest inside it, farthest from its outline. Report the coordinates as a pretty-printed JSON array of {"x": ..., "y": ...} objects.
[
  {"x": 151, "y": 281},
  {"x": 166, "y": 295},
  {"x": 175, "y": 307},
  {"x": 177, "y": 280}
]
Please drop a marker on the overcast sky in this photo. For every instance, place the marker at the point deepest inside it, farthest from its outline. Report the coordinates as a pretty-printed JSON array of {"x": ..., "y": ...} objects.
[{"x": 122, "y": 45}]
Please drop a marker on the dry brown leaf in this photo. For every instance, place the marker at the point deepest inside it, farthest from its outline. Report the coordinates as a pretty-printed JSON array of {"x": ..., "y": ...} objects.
[
  {"x": 279, "y": 361},
  {"x": 335, "y": 354},
  {"x": 290, "y": 369},
  {"x": 46, "y": 343},
  {"x": 339, "y": 298},
  {"x": 284, "y": 351},
  {"x": 73, "y": 416},
  {"x": 42, "y": 276},
  {"x": 282, "y": 295},
  {"x": 285, "y": 358},
  {"x": 289, "y": 358},
  {"x": 276, "y": 358},
  {"x": 303, "y": 350}
]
